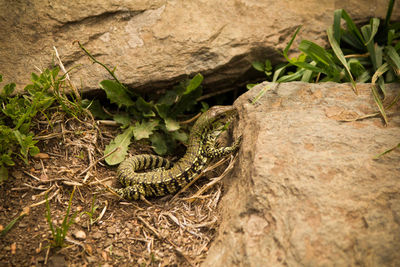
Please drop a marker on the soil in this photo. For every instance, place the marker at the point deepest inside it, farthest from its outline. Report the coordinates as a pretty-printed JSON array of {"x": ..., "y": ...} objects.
[{"x": 173, "y": 231}]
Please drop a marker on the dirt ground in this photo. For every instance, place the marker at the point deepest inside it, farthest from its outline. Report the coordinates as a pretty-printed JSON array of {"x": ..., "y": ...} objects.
[{"x": 172, "y": 231}]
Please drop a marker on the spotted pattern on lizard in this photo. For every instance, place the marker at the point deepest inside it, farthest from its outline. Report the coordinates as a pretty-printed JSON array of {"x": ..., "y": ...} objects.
[{"x": 167, "y": 178}]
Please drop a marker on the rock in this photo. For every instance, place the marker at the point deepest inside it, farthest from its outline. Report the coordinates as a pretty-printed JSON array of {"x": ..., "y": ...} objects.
[
  {"x": 57, "y": 261},
  {"x": 97, "y": 235},
  {"x": 41, "y": 156},
  {"x": 157, "y": 43},
  {"x": 79, "y": 234},
  {"x": 111, "y": 230},
  {"x": 13, "y": 248},
  {"x": 306, "y": 190}
]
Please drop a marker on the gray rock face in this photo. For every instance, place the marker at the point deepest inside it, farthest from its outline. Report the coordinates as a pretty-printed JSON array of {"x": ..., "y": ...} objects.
[
  {"x": 307, "y": 190},
  {"x": 159, "y": 42}
]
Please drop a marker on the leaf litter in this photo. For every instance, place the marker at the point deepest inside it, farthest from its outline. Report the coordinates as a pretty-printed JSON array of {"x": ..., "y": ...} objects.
[{"x": 173, "y": 230}]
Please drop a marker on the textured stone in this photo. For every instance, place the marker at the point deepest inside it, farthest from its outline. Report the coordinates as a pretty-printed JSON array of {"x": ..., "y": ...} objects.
[
  {"x": 155, "y": 43},
  {"x": 306, "y": 190},
  {"x": 79, "y": 234}
]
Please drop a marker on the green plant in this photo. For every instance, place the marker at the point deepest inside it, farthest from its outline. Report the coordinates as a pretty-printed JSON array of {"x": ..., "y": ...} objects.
[
  {"x": 369, "y": 53},
  {"x": 59, "y": 232},
  {"x": 92, "y": 211},
  {"x": 15, "y": 123},
  {"x": 18, "y": 111},
  {"x": 141, "y": 119}
]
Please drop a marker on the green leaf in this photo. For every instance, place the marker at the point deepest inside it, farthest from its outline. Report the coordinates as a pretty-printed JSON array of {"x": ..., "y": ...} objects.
[
  {"x": 268, "y": 65},
  {"x": 337, "y": 15},
  {"x": 352, "y": 28},
  {"x": 388, "y": 14},
  {"x": 394, "y": 59},
  {"x": 250, "y": 85},
  {"x": 144, "y": 129},
  {"x": 180, "y": 136},
  {"x": 390, "y": 37},
  {"x": 186, "y": 102},
  {"x": 379, "y": 72},
  {"x": 122, "y": 118},
  {"x": 120, "y": 144},
  {"x": 292, "y": 76},
  {"x": 8, "y": 89},
  {"x": 158, "y": 143},
  {"x": 34, "y": 77},
  {"x": 388, "y": 151},
  {"x": 339, "y": 54},
  {"x": 194, "y": 83},
  {"x": 316, "y": 52},
  {"x": 116, "y": 93},
  {"x": 96, "y": 109},
  {"x": 356, "y": 67},
  {"x": 169, "y": 98},
  {"x": 258, "y": 65},
  {"x": 7, "y": 160},
  {"x": 27, "y": 145},
  {"x": 34, "y": 150},
  {"x": 204, "y": 106},
  {"x": 162, "y": 110},
  {"x": 366, "y": 31},
  {"x": 278, "y": 72},
  {"x": 287, "y": 48},
  {"x": 171, "y": 124},
  {"x": 3, "y": 174},
  {"x": 145, "y": 107},
  {"x": 1, "y": 78},
  {"x": 352, "y": 40},
  {"x": 374, "y": 24}
]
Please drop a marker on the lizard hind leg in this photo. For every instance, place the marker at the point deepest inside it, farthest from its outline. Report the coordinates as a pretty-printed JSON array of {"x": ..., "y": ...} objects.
[{"x": 213, "y": 152}]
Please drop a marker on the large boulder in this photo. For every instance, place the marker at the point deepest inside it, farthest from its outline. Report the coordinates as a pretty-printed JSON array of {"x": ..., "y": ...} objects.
[
  {"x": 154, "y": 43},
  {"x": 307, "y": 189}
]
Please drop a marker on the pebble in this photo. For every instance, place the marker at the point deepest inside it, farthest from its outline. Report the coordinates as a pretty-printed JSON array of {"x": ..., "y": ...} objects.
[
  {"x": 96, "y": 235},
  {"x": 22, "y": 225},
  {"x": 41, "y": 156},
  {"x": 89, "y": 249},
  {"x": 118, "y": 253},
  {"x": 13, "y": 248},
  {"x": 111, "y": 230},
  {"x": 79, "y": 234},
  {"x": 37, "y": 166}
]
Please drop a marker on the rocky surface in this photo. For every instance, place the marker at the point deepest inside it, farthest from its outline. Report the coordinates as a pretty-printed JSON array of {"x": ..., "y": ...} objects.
[
  {"x": 154, "y": 43},
  {"x": 307, "y": 190}
]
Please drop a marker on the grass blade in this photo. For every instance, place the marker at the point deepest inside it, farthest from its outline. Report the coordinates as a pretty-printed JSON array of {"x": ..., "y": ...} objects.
[
  {"x": 374, "y": 52},
  {"x": 262, "y": 92},
  {"x": 374, "y": 25},
  {"x": 352, "y": 40},
  {"x": 286, "y": 50},
  {"x": 379, "y": 72},
  {"x": 8, "y": 227},
  {"x": 308, "y": 66},
  {"x": 339, "y": 54},
  {"x": 388, "y": 14},
  {"x": 387, "y": 151},
  {"x": 292, "y": 77},
  {"x": 394, "y": 59},
  {"x": 48, "y": 217},
  {"x": 316, "y": 52},
  {"x": 336, "y": 24},
  {"x": 351, "y": 26},
  {"x": 278, "y": 72}
]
